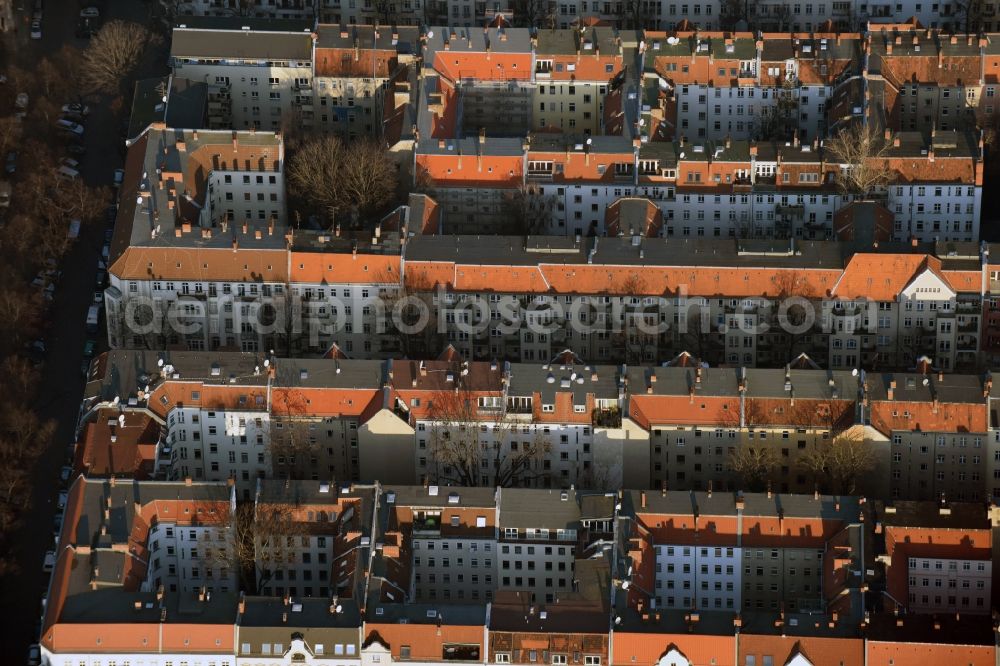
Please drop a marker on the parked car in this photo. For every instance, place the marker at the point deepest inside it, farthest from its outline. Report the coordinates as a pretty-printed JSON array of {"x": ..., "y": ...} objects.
[
  {"x": 105, "y": 251},
  {"x": 119, "y": 177},
  {"x": 88, "y": 349},
  {"x": 39, "y": 282},
  {"x": 34, "y": 654},
  {"x": 70, "y": 162},
  {"x": 98, "y": 298},
  {"x": 63, "y": 496},
  {"x": 69, "y": 127},
  {"x": 64, "y": 475},
  {"x": 36, "y": 29},
  {"x": 85, "y": 368},
  {"x": 37, "y": 346},
  {"x": 74, "y": 107},
  {"x": 49, "y": 563},
  {"x": 90, "y": 12},
  {"x": 101, "y": 277},
  {"x": 67, "y": 173},
  {"x": 11, "y": 163}
]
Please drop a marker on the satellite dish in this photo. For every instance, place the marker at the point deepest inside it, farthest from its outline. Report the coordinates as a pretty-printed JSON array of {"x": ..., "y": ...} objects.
[
  {"x": 430, "y": 34},
  {"x": 854, "y": 372},
  {"x": 267, "y": 363},
  {"x": 138, "y": 200},
  {"x": 589, "y": 141},
  {"x": 116, "y": 400},
  {"x": 159, "y": 363},
  {"x": 625, "y": 584},
  {"x": 339, "y": 608}
]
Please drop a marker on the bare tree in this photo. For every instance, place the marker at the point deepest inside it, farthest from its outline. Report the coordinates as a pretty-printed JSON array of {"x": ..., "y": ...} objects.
[
  {"x": 841, "y": 463},
  {"x": 778, "y": 121},
  {"x": 528, "y": 210},
  {"x": 333, "y": 176},
  {"x": 539, "y": 14},
  {"x": 754, "y": 465},
  {"x": 113, "y": 54},
  {"x": 734, "y": 11},
  {"x": 969, "y": 16},
  {"x": 862, "y": 150},
  {"x": 465, "y": 455},
  {"x": 260, "y": 541},
  {"x": 10, "y": 133}
]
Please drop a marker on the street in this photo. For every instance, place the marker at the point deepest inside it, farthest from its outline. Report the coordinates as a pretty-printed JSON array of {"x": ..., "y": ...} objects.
[{"x": 65, "y": 336}]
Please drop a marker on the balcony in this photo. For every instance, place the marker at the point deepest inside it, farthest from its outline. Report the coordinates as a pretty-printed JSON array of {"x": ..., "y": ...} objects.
[
  {"x": 452, "y": 652},
  {"x": 426, "y": 524},
  {"x": 606, "y": 418}
]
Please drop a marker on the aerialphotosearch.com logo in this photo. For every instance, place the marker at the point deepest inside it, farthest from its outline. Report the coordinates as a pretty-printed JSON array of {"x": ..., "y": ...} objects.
[{"x": 302, "y": 315}]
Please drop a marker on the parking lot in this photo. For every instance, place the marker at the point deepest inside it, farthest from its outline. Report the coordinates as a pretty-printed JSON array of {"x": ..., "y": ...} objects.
[{"x": 73, "y": 294}]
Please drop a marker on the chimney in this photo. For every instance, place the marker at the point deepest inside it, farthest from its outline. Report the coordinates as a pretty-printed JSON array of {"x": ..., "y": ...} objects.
[
  {"x": 770, "y": 495},
  {"x": 236, "y": 141},
  {"x": 642, "y": 498},
  {"x": 188, "y": 481}
]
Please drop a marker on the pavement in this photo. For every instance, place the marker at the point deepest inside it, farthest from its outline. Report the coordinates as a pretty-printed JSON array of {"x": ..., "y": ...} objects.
[{"x": 62, "y": 382}]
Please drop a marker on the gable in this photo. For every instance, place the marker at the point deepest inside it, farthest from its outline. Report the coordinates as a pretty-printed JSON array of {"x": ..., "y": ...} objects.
[
  {"x": 927, "y": 286},
  {"x": 673, "y": 657},
  {"x": 798, "y": 660}
]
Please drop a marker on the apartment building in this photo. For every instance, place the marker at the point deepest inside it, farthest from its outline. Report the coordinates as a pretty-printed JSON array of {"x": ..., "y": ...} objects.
[
  {"x": 724, "y": 188},
  {"x": 259, "y": 74},
  {"x": 679, "y": 426},
  {"x": 113, "y": 443},
  {"x": 275, "y": 630},
  {"x": 699, "y": 419},
  {"x": 313, "y": 539},
  {"x": 301, "y": 10},
  {"x": 765, "y": 552},
  {"x": 574, "y": 69},
  {"x": 938, "y": 556},
  {"x": 104, "y": 613},
  {"x": 937, "y": 431},
  {"x": 353, "y": 69},
  {"x": 926, "y": 79},
  {"x": 546, "y": 294},
  {"x": 175, "y": 601},
  {"x": 713, "y": 85},
  {"x": 415, "y": 13}
]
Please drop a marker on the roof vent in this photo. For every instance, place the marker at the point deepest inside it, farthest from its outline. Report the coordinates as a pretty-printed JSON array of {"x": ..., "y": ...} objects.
[
  {"x": 432, "y": 491},
  {"x": 453, "y": 498},
  {"x": 324, "y": 487}
]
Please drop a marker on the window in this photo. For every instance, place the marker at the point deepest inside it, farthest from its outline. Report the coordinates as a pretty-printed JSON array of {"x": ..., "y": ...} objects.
[
  {"x": 503, "y": 657},
  {"x": 559, "y": 659}
]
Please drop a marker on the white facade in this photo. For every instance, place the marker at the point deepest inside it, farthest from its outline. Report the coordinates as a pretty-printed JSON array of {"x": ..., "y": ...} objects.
[
  {"x": 452, "y": 569},
  {"x": 216, "y": 445},
  {"x": 246, "y": 94},
  {"x": 939, "y": 585},
  {"x": 689, "y": 576}
]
